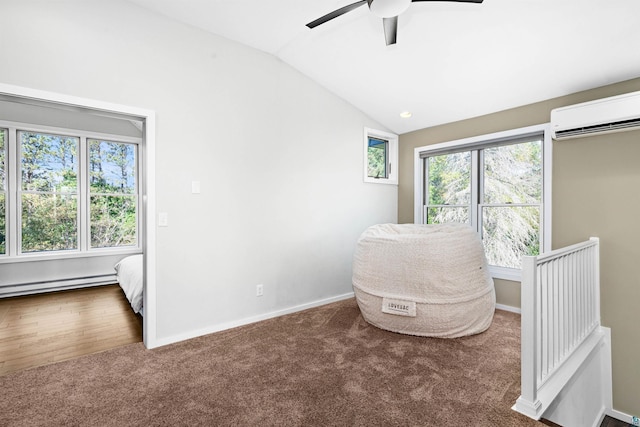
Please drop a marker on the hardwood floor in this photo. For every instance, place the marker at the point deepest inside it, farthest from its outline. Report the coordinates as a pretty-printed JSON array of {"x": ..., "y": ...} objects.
[{"x": 41, "y": 329}]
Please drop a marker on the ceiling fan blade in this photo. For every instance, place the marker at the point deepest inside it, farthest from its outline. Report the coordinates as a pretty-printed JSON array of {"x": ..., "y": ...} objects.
[
  {"x": 459, "y": 1},
  {"x": 335, "y": 14},
  {"x": 390, "y": 29}
]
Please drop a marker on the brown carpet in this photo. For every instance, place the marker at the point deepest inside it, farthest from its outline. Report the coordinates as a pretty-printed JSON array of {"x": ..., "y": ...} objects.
[{"x": 320, "y": 367}]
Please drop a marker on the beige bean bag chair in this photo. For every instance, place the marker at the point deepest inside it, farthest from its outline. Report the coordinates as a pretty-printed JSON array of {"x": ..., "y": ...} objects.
[{"x": 426, "y": 280}]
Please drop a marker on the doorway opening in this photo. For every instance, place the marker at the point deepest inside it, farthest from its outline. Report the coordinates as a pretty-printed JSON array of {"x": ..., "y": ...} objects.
[{"x": 91, "y": 115}]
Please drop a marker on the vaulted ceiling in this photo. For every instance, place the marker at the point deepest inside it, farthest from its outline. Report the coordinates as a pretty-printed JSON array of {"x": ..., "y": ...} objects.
[{"x": 451, "y": 61}]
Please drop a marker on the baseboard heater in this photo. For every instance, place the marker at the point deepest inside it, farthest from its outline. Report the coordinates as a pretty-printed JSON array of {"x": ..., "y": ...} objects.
[{"x": 55, "y": 285}]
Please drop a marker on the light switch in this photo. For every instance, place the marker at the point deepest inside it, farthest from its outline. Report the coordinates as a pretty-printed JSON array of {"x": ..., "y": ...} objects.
[
  {"x": 163, "y": 219},
  {"x": 195, "y": 187}
]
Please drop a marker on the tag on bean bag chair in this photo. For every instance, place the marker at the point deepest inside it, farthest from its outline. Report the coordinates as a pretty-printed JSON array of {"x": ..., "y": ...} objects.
[{"x": 399, "y": 307}]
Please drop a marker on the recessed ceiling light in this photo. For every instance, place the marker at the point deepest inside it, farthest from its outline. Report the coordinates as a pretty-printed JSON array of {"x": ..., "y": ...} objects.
[{"x": 405, "y": 114}]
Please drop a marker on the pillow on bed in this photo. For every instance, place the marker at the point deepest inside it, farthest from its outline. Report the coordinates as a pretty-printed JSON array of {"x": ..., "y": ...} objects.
[{"x": 129, "y": 275}]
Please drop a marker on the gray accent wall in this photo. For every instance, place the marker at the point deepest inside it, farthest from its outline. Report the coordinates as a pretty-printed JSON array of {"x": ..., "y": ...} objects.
[{"x": 596, "y": 182}]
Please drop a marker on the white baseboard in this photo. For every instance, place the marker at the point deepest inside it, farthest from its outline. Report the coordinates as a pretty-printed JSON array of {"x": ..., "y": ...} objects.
[
  {"x": 235, "y": 323},
  {"x": 600, "y": 418},
  {"x": 509, "y": 308},
  {"x": 621, "y": 416}
]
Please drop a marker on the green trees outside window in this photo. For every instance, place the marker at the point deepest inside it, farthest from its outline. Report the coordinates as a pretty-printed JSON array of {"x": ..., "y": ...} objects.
[
  {"x": 377, "y": 158},
  {"x": 113, "y": 200},
  {"x": 66, "y": 193},
  {"x": 449, "y": 188},
  {"x": 507, "y": 202},
  {"x": 511, "y": 202},
  {"x": 49, "y": 197}
]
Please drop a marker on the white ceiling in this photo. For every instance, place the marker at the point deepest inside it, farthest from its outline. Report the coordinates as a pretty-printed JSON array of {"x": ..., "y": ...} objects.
[{"x": 452, "y": 60}]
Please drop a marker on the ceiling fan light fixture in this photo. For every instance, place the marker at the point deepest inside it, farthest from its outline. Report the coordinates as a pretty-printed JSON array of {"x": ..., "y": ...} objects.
[{"x": 388, "y": 8}]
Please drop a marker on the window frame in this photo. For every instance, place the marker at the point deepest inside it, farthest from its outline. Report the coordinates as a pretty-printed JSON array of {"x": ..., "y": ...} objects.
[
  {"x": 21, "y": 192},
  {"x": 475, "y": 143},
  {"x": 87, "y": 191},
  {"x": 4, "y": 187},
  {"x": 392, "y": 156},
  {"x": 13, "y": 189}
]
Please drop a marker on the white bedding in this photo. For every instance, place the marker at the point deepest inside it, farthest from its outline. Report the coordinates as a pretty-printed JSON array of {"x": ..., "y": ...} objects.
[{"x": 129, "y": 275}]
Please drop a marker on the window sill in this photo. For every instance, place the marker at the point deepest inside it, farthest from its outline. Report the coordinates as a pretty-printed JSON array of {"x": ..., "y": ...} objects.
[
  {"x": 381, "y": 181},
  {"x": 503, "y": 273}
]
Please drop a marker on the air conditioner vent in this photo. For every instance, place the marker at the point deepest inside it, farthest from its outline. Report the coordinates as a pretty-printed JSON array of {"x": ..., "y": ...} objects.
[
  {"x": 605, "y": 127},
  {"x": 606, "y": 115}
]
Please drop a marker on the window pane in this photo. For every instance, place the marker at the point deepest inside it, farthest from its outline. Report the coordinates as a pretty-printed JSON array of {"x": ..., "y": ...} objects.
[
  {"x": 112, "y": 172},
  {"x": 112, "y": 167},
  {"x": 449, "y": 180},
  {"x": 377, "y": 160},
  {"x": 113, "y": 221},
  {"x": 3, "y": 206},
  {"x": 49, "y": 222},
  {"x": 3, "y": 156},
  {"x": 508, "y": 233},
  {"x": 49, "y": 162},
  {"x": 3, "y": 225},
  {"x": 49, "y": 174},
  {"x": 441, "y": 215},
  {"x": 513, "y": 173}
]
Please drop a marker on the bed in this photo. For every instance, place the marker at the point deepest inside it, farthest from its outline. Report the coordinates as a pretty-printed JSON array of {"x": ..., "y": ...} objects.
[
  {"x": 129, "y": 276},
  {"x": 425, "y": 280}
]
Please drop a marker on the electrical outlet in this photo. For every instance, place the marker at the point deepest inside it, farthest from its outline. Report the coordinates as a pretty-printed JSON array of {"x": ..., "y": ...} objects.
[
  {"x": 635, "y": 421},
  {"x": 259, "y": 290}
]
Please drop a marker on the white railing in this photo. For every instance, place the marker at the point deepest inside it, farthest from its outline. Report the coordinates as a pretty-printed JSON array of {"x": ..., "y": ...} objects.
[{"x": 560, "y": 321}]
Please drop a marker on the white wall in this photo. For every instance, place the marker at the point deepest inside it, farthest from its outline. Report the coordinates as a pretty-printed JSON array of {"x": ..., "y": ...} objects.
[{"x": 278, "y": 157}]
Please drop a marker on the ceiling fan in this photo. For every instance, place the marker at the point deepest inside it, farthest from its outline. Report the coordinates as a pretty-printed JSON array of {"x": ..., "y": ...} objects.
[{"x": 388, "y": 10}]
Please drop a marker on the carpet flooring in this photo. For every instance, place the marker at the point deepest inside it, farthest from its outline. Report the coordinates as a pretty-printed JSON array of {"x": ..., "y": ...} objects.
[{"x": 321, "y": 367}]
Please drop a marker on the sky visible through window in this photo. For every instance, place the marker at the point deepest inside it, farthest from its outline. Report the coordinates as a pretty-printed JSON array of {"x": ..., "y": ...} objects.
[{"x": 53, "y": 195}]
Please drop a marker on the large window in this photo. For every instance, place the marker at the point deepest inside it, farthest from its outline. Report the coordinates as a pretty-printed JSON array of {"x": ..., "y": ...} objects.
[
  {"x": 495, "y": 183},
  {"x": 66, "y": 191},
  {"x": 113, "y": 194},
  {"x": 48, "y": 192}
]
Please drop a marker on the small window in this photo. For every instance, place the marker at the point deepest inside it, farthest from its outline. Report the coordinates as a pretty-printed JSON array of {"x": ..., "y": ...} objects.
[
  {"x": 381, "y": 157},
  {"x": 378, "y": 158}
]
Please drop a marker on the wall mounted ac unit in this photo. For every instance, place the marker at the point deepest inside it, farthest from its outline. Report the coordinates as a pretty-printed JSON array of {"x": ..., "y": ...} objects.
[{"x": 606, "y": 115}]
